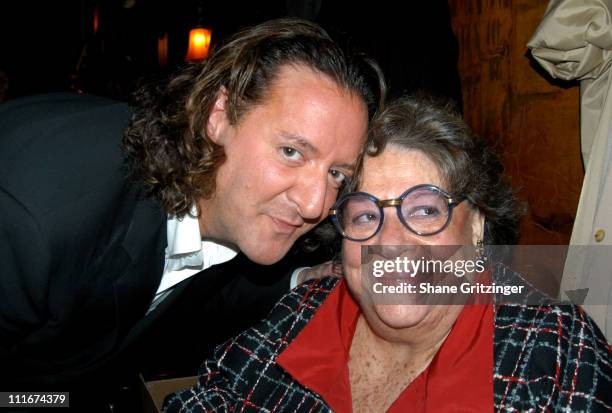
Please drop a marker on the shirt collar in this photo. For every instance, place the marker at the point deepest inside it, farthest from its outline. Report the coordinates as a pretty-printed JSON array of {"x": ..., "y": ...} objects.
[
  {"x": 183, "y": 234},
  {"x": 187, "y": 249}
]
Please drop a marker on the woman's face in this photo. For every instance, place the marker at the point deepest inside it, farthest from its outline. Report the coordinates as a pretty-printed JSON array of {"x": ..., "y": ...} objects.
[{"x": 387, "y": 176}]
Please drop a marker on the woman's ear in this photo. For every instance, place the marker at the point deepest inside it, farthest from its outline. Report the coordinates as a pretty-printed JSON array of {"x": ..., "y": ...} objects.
[
  {"x": 478, "y": 225},
  {"x": 218, "y": 121}
]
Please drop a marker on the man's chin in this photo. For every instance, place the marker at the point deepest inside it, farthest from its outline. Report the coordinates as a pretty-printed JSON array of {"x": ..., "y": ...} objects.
[{"x": 266, "y": 256}]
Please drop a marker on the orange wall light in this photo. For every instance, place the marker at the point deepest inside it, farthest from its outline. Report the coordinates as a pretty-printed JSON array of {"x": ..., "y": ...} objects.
[
  {"x": 162, "y": 50},
  {"x": 199, "y": 43},
  {"x": 96, "y": 19}
]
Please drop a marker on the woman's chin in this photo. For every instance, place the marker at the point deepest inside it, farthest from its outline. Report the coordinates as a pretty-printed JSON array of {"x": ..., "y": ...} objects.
[{"x": 397, "y": 316}]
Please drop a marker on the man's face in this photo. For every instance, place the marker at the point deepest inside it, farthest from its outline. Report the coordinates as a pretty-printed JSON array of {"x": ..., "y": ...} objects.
[{"x": 285, "y": 160}]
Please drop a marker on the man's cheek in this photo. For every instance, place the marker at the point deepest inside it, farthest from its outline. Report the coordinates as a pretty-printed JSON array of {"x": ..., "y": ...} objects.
[{"x": 330, "y": 198}]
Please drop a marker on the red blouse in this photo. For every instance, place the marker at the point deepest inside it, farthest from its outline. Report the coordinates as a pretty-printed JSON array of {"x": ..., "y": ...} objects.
[{"x": 459, "y": 378}]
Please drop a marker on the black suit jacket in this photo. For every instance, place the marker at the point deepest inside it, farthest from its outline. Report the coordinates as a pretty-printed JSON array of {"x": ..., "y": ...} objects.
[{"x": 81, "y": 248}]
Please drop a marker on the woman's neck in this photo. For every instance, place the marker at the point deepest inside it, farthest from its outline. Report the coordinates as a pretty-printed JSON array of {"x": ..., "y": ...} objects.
[
  {"x": 415, "y": 346},
  {"x": 384, "y": 361}
]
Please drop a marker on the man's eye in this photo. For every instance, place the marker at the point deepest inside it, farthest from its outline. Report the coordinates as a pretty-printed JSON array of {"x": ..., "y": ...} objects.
[
  {"x": 338, "y": 177},
  {"x": 291, "y": 153}
]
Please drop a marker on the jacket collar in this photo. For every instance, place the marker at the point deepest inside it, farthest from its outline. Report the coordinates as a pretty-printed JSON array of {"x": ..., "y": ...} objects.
[{"x": 147, "y": 221}]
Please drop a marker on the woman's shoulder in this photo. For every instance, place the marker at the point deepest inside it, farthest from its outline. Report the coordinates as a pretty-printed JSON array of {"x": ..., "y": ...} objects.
[
  {"x": 563, "y": 325},
  {"x": 295, "y": 309},
  {"x": 551, "y": 355},
  {"x": 539, "y": 323},
  {"x": 567, "y": 317}
]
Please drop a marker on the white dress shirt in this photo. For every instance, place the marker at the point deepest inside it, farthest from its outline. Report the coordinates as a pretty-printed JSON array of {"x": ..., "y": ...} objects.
[{"x": 187, "y": 254}]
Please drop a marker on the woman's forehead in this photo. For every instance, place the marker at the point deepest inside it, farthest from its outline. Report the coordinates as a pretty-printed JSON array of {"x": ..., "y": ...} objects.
[{"x": 397, "y": 170}]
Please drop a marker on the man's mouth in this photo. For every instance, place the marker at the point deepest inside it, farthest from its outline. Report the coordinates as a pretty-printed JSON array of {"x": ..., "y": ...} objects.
[{"x": 284, "y": 226}]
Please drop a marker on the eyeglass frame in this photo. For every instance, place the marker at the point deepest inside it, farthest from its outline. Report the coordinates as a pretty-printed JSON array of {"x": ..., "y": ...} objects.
[{"x": 397, "y": 203}]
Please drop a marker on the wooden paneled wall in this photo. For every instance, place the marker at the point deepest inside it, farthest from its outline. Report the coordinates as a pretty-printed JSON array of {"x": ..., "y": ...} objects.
[{"x": 532, "y": 120}]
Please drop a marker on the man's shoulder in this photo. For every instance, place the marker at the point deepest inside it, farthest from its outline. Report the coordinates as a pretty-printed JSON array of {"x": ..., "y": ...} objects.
[
  {"x": 58, "y": 126},
  {"x": 60, "y": 149},
  {"x": 56, "y": 112}
]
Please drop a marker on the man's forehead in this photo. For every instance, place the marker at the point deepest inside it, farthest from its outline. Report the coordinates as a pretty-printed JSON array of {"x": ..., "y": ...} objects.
[
  {"x": 296, "y": 76},
  {"x": 308, "y": 110}
]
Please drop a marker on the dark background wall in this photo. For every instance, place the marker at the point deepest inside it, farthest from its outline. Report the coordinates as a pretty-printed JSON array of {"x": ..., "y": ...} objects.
[
  {"x": 532, "y": 120},
  {"x": 41, "y": 42}
]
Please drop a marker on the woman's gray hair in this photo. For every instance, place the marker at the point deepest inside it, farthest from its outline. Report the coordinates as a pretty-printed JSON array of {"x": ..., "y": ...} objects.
[{"x": 467, "y": 164}]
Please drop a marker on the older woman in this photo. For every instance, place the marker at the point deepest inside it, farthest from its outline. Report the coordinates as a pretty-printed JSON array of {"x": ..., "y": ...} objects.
[{"x": 334, "y": 345}]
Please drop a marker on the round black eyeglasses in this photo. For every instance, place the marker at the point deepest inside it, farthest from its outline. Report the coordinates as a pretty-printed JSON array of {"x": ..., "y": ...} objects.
[{"x": 423, "y": 209}]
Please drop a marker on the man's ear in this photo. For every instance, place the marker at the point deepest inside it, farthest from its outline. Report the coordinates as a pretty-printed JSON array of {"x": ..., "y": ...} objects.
[
  {"x": 218, "y": 121},
  {"x": 478, "y": 225}
]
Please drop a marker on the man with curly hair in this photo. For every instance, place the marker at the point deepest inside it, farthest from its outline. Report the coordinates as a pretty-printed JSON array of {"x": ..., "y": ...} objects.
[{"x": 244, "y": 152}]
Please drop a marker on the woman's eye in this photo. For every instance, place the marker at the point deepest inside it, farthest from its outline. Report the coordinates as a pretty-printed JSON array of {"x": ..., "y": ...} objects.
[
  {"x": 424, "y": 211},
  {"x": 338, "y": 177},
  {"x": 364, "y": 218},
  {"x": 291, "y": 153}
]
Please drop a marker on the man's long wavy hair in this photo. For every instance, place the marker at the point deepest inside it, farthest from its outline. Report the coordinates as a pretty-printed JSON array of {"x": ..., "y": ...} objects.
[{"x": 166, "y": 142}]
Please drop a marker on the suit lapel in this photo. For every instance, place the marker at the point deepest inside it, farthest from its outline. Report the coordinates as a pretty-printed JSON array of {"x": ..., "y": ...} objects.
[
  {"x": 145, "y": 242},
  {"x": 195, "y": 289}
]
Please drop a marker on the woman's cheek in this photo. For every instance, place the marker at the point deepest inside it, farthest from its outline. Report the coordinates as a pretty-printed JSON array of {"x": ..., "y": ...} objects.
[{"x": 351, "y": 261}]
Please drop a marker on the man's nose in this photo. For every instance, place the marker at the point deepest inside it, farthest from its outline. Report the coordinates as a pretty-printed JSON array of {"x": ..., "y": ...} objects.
[{"x": 309, "y": 194}]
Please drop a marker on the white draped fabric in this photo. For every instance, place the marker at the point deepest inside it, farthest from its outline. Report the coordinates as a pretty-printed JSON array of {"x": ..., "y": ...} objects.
[{"x": 574, "y": 42}]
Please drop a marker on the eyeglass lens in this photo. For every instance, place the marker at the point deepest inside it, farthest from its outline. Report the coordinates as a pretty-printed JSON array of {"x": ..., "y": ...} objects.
[{"x": 424, "y": 210}]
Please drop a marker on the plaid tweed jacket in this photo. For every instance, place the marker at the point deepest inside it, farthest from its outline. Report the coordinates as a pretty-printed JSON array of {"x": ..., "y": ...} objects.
[{"x": 548, "y": 358}]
